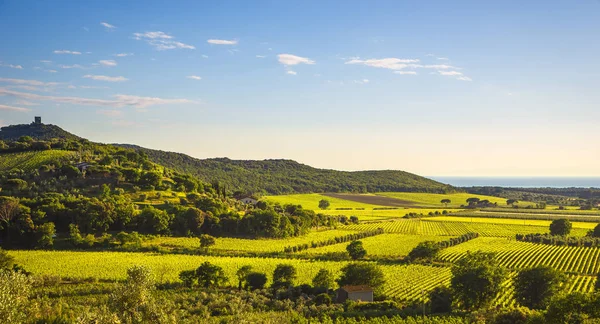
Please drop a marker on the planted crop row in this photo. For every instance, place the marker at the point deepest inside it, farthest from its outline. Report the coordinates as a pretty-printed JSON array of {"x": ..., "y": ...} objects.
[
  {"x": 524, "y": 214},
  {"x": 518, "y": 255},
  {"x": 332, "y": 241}
]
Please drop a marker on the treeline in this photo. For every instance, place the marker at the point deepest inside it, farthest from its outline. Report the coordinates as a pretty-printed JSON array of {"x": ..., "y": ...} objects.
[
  {"x": 559, "y": 240},
  {"x": 332, "y": 241},
  {"x": 552, "y": 196},
  {"x": 421, "y": 215},
  {"x": 428, "y": 250},
  {"x": 286, "y": 176}
]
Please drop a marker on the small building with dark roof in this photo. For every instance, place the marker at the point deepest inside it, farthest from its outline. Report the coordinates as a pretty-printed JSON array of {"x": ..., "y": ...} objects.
[{"x": 363, "y": 293}]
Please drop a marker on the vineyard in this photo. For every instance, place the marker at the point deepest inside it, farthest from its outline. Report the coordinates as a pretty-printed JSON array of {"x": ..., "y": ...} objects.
[
  {"x": 440, "y": 227},
  {"x": 529, "y": 216},
  {"x": 518, "y": 255},
  {"x": 383, "y": 245},
  {"x": 32, "y": 160}
]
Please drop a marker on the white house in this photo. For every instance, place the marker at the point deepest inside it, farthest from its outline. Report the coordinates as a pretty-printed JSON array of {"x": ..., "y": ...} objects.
[
  {"x": 362, "y": 293},
  {"x": 249, "y": 201}
]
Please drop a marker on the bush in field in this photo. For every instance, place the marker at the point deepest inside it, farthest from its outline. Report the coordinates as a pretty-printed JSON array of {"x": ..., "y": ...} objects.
[
  {"x": 369, "y": 274},
  {"x": 256, "y": 280},
  {"x": 242, "y": 275},
  {"x": 6, "y": 261},
  {"x": 323, "y": 280},
  {"x": 207, "y": 241},
  {"x": 284, "y": 276},
  {"x": 560, "y": 227},
  {"x": 424, "y": 250},
  {"x": 535, "y": 287},
  {"x": 440, "y": 300},
  {"x": 210, "y": 275},
  {"x": 356, "y": 250},
  {"x": 476, "y": 280},
  {"x": 324, "y": 204},
  {"x": 15, "y": 290}
]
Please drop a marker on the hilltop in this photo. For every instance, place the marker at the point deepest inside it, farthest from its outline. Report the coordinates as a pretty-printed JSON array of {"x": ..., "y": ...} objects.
[
  {"x": 287, "y": 176},
  {"x": 273, "y": 176},
  {"x": 41, "y": 132}
]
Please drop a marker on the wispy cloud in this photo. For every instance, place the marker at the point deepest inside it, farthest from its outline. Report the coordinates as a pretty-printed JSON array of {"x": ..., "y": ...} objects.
[
  {"x": 123, "y": 54},
  {"x": 120, "y": 100},
  {"x": 108, "y": 62},
  {"x": 443, "y": 58},
  {"x": 161, "y": 40},
  {"x": 391, "y": 63},
  {"x": 406, "y": 72},
  {"x": 108, "y": 26},
  {"x": 291, "y": 72},
  {"x": 51, "y": 71},
  {"x": 222, "y": 42},
  {"x": 74, "y": 66},
  {"x": 67, "y": 52},
  {"x": 26, "y": 103},
  {"x": 110, "y": 113},
  {"x": 464, "y": 78},
  {"x": 12, "y": 66},
  {"x": 260, "y": 56},
  {"x": 204, "y": 56},
  {"x": 46, "y": 61},
  {"x": 289, "y": 59},
  {"x": 363, "y": 81},
  {"x": 13, "y": 108},
  {"x": 105, "y": 78},
  {"x": 194, "y": 77},
  {"x": 29, "y": 82},
  {"x": 450, "y": 73}
]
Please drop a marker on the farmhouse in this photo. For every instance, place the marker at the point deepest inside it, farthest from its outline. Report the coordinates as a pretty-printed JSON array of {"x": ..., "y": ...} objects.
[
  {"x": 362, "y": 293},
  {"x": 249, "y": 201}
]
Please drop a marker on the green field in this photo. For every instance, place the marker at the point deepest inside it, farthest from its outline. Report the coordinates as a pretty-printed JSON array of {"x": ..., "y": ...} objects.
[
  {"x": 507, "y": 221},
  {"x": 32, "y": 160}
]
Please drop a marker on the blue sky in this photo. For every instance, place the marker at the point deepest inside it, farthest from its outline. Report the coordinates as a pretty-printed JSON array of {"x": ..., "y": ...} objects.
[{"x": 503, "y": 88}]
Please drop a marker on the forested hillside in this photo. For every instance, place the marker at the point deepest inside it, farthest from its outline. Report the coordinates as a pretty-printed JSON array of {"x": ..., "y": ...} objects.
[
  {"x": 43, "y": 132},
  {"x": 287, "y": 176}
]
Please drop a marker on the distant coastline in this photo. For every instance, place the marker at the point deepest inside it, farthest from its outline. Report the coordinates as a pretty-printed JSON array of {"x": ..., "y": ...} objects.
[{"x": 521, "y": 182}]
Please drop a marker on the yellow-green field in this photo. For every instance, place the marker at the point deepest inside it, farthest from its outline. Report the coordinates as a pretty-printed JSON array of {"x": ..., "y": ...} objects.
[
  {"x": 311, "y": 201},
  {"x": 382, "y": 245},
  {"x": 225, "y": 244},
  {"x": 507, "y": 221}
]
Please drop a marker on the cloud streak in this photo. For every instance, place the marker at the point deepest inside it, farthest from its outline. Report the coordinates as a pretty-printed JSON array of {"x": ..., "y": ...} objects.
[
  {"x": 108, "y": 62},
  {"x": 289, "y": 59},
  {"x": 12, "y": 108},
  {"x": 29, "y": 82},
  {"x": 108, "y": 26},
  {"x": 105, "y": 78},
  {"x": 222, "y": 42},
  {"x": 119, "y": 101},
  {"x": 67, "y": 52},
  {"x": 391, "y": 63},
  {"x": 161, "y": 40},
  {"x": 194, "y": 77}
]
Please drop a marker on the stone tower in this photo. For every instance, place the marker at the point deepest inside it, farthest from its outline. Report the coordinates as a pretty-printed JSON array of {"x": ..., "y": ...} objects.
[{"x": 38, "y": 120}]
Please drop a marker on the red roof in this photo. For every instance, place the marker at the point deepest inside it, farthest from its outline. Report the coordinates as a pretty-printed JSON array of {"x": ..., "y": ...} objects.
[{"x": 361, "y": 288}]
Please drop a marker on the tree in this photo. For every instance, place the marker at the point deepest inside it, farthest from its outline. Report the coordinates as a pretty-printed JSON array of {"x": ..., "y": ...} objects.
[
  {"x": 322, "y": 299},
  {"x": 284, "y": 276},
  {"x": 472, "y": 201},
  {"x": 324, "y": 280},
  {"x": 369, "y": 274},
  {"x": 242, "y": 275},
  {"x": 356, "y": 250},
  {"x": 45, "y": 235},
  {"x": 569, "y": 308},
  {"x": 153, "y": 220},
  {"x": 256, "y": 280},
  {"x": 445, "y": 201},
  {"x": 324, "y": 204},
  {"x": 560, "y": 227},
  {"x": 424, "y": 250},
  {"x": 9, "y": 209},
  {"x": 596, "y": 231},
  {"x": 207, "y": 241},
  {"x": 210, "y": 275},
  {"x": 511, "y": 202},
  {"x": 476, "y": 280},
  {"x": 535, "y": 287},
  {"x": 440, "y": 300}
]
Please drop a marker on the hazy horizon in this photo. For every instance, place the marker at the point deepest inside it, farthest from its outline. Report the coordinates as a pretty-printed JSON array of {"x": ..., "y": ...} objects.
[{"x": 455, "y": 89}]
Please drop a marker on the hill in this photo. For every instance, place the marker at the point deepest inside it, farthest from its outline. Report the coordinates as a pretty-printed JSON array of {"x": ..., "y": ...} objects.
[
  {"x": 287, "y": 176},
  {"x": 33, "y": 160},
  {"x": 42, "y": 132}
]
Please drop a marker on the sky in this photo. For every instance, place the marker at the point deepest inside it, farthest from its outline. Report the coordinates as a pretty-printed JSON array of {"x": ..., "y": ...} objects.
[{"x": 438, "y": 88}]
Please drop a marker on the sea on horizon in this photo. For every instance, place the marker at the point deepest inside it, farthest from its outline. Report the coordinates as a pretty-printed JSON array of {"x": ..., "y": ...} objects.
[{"x": 521, "y": 182}]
